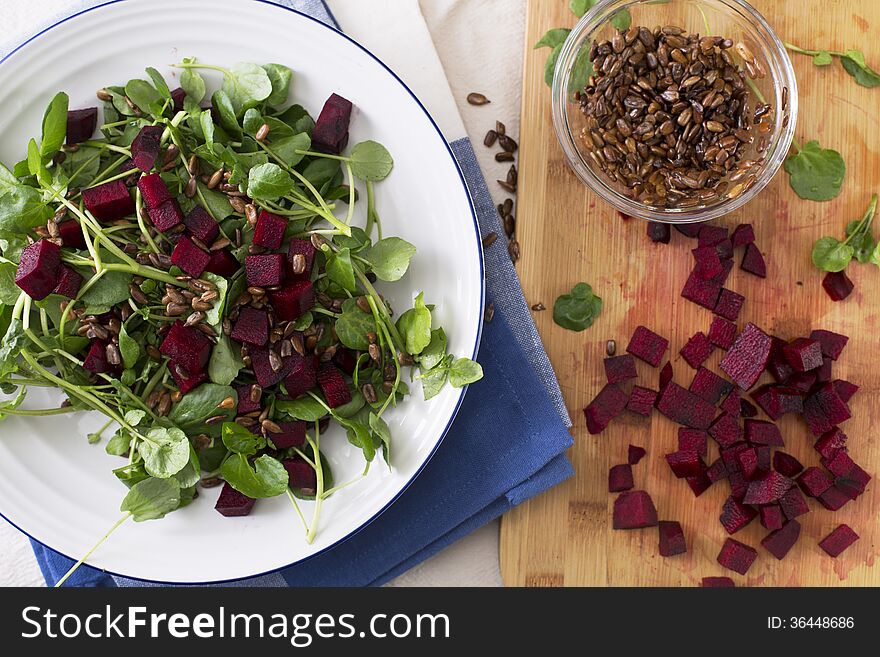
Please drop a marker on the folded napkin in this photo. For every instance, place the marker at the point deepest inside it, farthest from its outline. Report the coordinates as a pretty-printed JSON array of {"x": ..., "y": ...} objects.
[{"x": 508, "y": 441}]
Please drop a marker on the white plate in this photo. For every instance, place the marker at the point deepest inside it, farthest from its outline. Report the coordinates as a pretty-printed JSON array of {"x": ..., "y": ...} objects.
[{"x": 59, "y": 489}]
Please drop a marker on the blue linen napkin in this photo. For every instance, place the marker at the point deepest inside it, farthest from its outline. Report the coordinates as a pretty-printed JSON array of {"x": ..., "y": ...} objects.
[{"x": 506, "y": 445}]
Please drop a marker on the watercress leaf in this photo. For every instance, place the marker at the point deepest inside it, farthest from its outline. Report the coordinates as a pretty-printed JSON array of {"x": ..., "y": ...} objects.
[
  {"x": 550, "y": 65},
  {"x": 434, "y": 352},
  {"x": 85, "y": 162},
  {"x": 433, "y": 382},
  {"x": 12, "y": 404},
  {"x": 340, "y": 271},
  {"x": 111, "y": 289},
  {"x": 298, "y": 119},
  {"x": 622, "y": 19},
  {"x": 225, "y": 362},
  {"x": 21, "y": 206},
  {"x": 135, "y": 416},
  {"x": 581, "y": 71},
  {"x": 853, "y": 62},
  {"x": 188, "y": 475},
  {"x": 382, "y": 432},
  {"x": 240, "y": 440},
  {"x": 875, "y": 255},
  {"x": 193, "y": 84},
  {"x": 580, "y": 7},
  {"x": 578, "y": 309},
  {"x": 165, "y": 452},
  {"x": 35, "y": 164},
  {"x": 830, "y": 254},
  {"x": 13, "y": 341},
  {"x": 370, "y": 160},
  {"x": 464, "y": 371},
  {"x": 320, "y": 170},
  {"x": 351, "y": 408},
  {"x": 207, "y": 124},
  {"x": 303, "y": 322},
  {"x": 9, "y": 291},
  {"x": 201, "y": 403},
  {"x": 225, "y": 113},
  {"x": 816, "y": 173},
  {"x": 54, "y": 126},
  {"x": 128, "y": 348},
  {"x": 246, "y": 84},
  {"x": 305, "y": 408},
  {"x": 389, "y": 258},
  {"x": 119, "y": 443},
  {"x": 279, "y": 76},
  {"x": 268, "y": 182},
  {"x": 142, "y": 94},
  {"x": 356, "y": 242},
  {"x": 863, "y": 246},
  {"x": 151, "y": 499},
  {"x": 286, "y": 148},
  {"x": 159, "y": 82},
  {"x": 822, "y": 58},
  {"x": 553, "y": 38},
  {"x": 415, "y": 326},
  {"x": 267, "y": 478},
  {"x": 252, "y": 121},
  {"x": 359, "y": 436},
  {"x": 353, "y": 325},
  {"x": 216, "y": 203}
]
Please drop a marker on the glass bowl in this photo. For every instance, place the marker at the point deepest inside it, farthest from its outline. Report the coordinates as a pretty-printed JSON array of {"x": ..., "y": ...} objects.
[{"x": 773, "y": 83}]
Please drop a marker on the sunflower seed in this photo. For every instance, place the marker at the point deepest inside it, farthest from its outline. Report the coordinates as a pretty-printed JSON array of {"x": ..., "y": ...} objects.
[{"x": 475, "y": 98}]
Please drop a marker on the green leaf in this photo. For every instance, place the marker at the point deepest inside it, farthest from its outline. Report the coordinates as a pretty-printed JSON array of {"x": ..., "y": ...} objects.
[
  {"x": 353, "y": 325},
  {"x": 12, "y": 404},
  {"x": 433, "y": 382},
  {"x": 35, "y": 164},
  {"x": 320, "y": 171},
  {"x": 303, "y": 322},
  {"x": 580, "y": 7},
  {"x": 193, "y": 84},
  {"x": 415, "y": 326},
  {"x": 286, "y": 147},
  {"x": 279, "y": 76},
  {"x": 351, "y": 408},
  {"x": 578, "y": 309},
  {"x": 151, "y": 499},
  {"x": 830, "y": 254},
  {"x": 340, "y": 271},
  {"x": 165, "y": 453},
  {"x": 84, "y": 162},
  {"x": 267, "y": 478},
  {"x": 433, "y": 354},
  {"x": 13, "y": 342},
  {"x": 21, "y": 206},
  {"x": 240, "y": 440},
  {"x": 816, "y": 173},
  {"x": 371, "y": 161},
  {"x": 550, "y": 65},
  {"x": 305, "y": 408},
  {"x": 216, "y": 203},
  {"x": 134, "y": 416},
  {"x": 853, "y": 62},
  {"x": 225, "y": 363},
  {"x": 359, "y": 436},
  {"x": 129, "y": 348},
  {"x": 111, "y": 289},
  {"x": 553, "y": 38},
  {"x": 200, "y": 404},
  {"x": 464, "y": 371},
  {"x": 189, "y": 474},
  {"x": 863, "y": 246},
  {"x": 246, "y": 84},
  {"x": 875, "y": 256},
  {"x": 268, "y": 182},
  {"x": 159, "y": 82},
  {"x": 9, "y": 291},
  {"x": 622, "y": 19},
  {"x": 207, "y": 125},
  {"x": 119, "y": 443},
  {"x": 226, "y": 113},
  {"x": 390, "y": 258},
  {"x": 581, "y": 71},
  {"x": 142, "y": 94},
  {"x": 54, "y": 126},
  {"x": 822, "y": 58},
  {"x": 382, "y": 432}
]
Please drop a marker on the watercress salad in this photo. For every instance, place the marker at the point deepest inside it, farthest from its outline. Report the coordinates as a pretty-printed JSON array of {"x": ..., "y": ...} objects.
[{"x": 219, "y": 344}]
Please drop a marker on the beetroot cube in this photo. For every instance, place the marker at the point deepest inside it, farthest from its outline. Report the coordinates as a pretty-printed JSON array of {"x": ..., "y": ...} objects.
[
  {"x": 837, "y": 541},
  {"x": 620, "y": 478},
  {"x": 722, "y": 332},
  {"x": 346, "y": 360},
  {"x": 252, "y": 327},
  {"x": 177, "y": 97},
  {"x": 717, "y": 471},
  {"x": 685, "y": 463},
  {"x": 145, "y": 147},
  {"x": 306, "y": 249},
  {"x": 831, "y": 441},
  {"x": 725, "y": 251},
  {"x": 245, "y": 400},
  {"x": 840, "y": 464},
  {"x": 768, "y": 488},
  {"x": 772, "y": 517},
  {"x": 738, "y": 485},
  {"x": 823, "y": 372},
  {"x": 81, "y": 124},
  {"x": 748, "y": 463},
  {"x": 294, "y": 300},
  {"x": 777, "y": 365},
  {"x": 697, "y": 350},
  {"x": 707, "y": 264},
  {"x": 699, "y": 483},
  {"x": 232, "y": 503},
  {"x": 109, "y": 201},
  {"x": 849, "y": 487},
  {"x": 732, "y": 404},
  {"x": 689, "y": 230},
  {"x": 633, "y": 510},
  {"x": 190, "y": 258},
  {"x": 802, "y": 382},
  {"x": 659, "y": 232},
  {"x": 671, "y": 538},
  {"x": 721, "y": 278},
  {"x": 39, "y": 269},
  {"x": 648, "y": 346},
  {"x": 635, "y": 454},
  {"x": 333, "y": 386},
  {"x": 693, "y": 440},
  {"x": 188, "y": 347},
  {"x": 712, "y": 235},
  {"x": 666, "y": 375},
  {"x": 814, "y": 481},
  {"x": 686, "y": 408},
  {"x": 69, "y": 282},
  {"x": 747, "y": 357},
  {"x": 832, "y": 343},
  {"x": 641, "y": 401},
  {"x": 264, "y": 373},
  {"x": 729, "y": 304},
  {"x": 763, "y": 453},
  {"x": 300, "y": 475},
  {"x": 837, "y": 285},
  {"x": 293, "y": 434},
  {"x": 701, "y": 292},
  {"x": 742, "y": 235},
  {"x": 154, "y": 190},
  {"x": 729, "y": 454},
  {"x": 833, "y": 499},
  {"x": 824, "y": 410},
  {"x": 620, "y": 368},
  {"x": 717, "y": 583},
  {"x": 858, "y": 478},
  {"x": 96, "y": 359},
  {"x": 753, "y": 262},
  {"x": 269, "y": 231},
  {"x": 607, "y": 405},
  {"x": 188, "y": 382},
  {"x": 737, "y": 556},
  {"x": 786, "y": 464},
  {"x": 166, "y": 216},
  {"x": 779, "y": 542},
  {"x": 789, "y": 400},
  {"x": 201, "y": 225},
  {"x": 330, "y": 134},
  {"x": 71, "y": 234},
  {"x": 223, "y": 263},
  {"x": 303, "y": 376},
  {"x": 710, "y": 386},
  {"x": 793, "y": 504},
  {"x": 726, "y": 430},
  {"x": 264, "y": 270},
  {"x": 767, "y": 397},
  {"x": 803, "y": 354}
]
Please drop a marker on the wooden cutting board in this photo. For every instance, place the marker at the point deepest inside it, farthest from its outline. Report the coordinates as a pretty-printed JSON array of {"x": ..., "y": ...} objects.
[{"x": 567, "y": 235}]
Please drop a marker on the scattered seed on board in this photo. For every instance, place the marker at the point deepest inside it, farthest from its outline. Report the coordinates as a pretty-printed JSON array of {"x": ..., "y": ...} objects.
[
  {"x": 507, "y": 143},
  {"x": 506, "y": 186},
  {"x": 611, "y": 347},
  {"x": 489, "y": 313},
  {"x": 539, "y": 306},
  {"x": 513, "y": 250},
  {"x": 475, "y": 98},
  {"x": 500, "y": 128},
  {"x": 504, "y": 156},
  {"x": 512, "y": 175},
  {"x": 490, "y": 138},
  {"x": 489, "y": 240}
]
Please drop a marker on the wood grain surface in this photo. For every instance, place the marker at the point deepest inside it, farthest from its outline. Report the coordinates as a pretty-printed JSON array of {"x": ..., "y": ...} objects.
[{"x": 567, "y": 235}]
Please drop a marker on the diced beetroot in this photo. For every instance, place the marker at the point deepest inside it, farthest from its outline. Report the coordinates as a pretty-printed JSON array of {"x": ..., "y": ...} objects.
[
  {"x": 737, "y": 556},
  {"x": 330, "y": 134},
  {"x": 852, "y": 489},
  {"x": 699, "y": 483},
  {"x": 747, "y": 357},
  {"x": 202, "y": 225},
  {"x": 697, "y": 350},
  {"x": 772, "y": 517},
  {"x": 802, "y": 382},
  {"x": 738, "y": 484},
  {"x": 839, "y": 540},
  {"x": 187, "y": 347},
  {"x": 190, "y": 258},
  {"x": 145, "y": 147},
  {"x": 858, "y": 478},
  {"x": 748, "y": 463},
  {"x": 304, "y": 248},
  {"x": 793, "y": 503},
  {"x": 763, "y": 453},
  {"x": 671, "y": 538},
  {"x": 725, "y": 251},
  {"x": 620, "y": 478},
  {"x": 767, "y": 398},
  {"x": 721, "y": 278},
  {"x": 824, "y": 410},
  {"x": 154, "y": 190},
  {"x": 839, "y": 464},
  {"x": 223, "y": 263},
  {"x": 177, "y": 97},
  {"x": 39, "y": 269},
  {"x": 786, "y": 464},
  {"x": 300, "y": 475},
  {"x": 717, "y": 471},
  {"x": 620, "y": 368},
  {"x": 635, "y": 454},
  {"x": 633, "y": 510},
  {"x": 302, "y": 377},
  {"x": 833, "y": 499},
  {"x": 686, "y": 408},
  {"x": 607, "y": 405},
  {"x": 96, "y": 359},
  {"x": 701, "y": 292},
  {"x": 293, "y": 434},
  {"x": 166, "y": 216},
  {"x": 778, "y": 367},
  {"x": 717, "y": 583},
  {"x": 813, "y": 481},
  {"x": 334, "y": 387},
  {"x": 729, "y": 304},
  {"x": 109, "y": 201},
  {"x": 245, "y": 403},
  {"x": 722, "y": 332},
  {"x": 666, "y": 375},
  {"x": 742, "y": 235},
  {"x": 264, "y": 270},
  {"x": 269, "y": 231},
  {"x": 725, "y": 430},
  {"x": 252, "y": 326},
  {"x": 693, "y": 440},
  {"x": 837, "y": 285},
  {"x": 659, "y": 232},
  {"x": 81, "y": 124},
  {"x": 346, "y": 360},
  {"x": 753, "y": 262},
  {"x": 185, "y": 384},
  {"x": 830, "y": 442},
  {"x": 823, "y": 372},
  {"x": 832, "y": 343},
  {"x": 803, "y": 354},
  {"x": 685, "y": 463},
  {"x": 648, "y": 346},
  {"x": 729, "y": 454},
  {"x": 768, "y": 488},
  {"x": 71, "y": 234},
  {"x": 641, "y": 401},
  {"x": 712, "y": 235},
  {"x": 707, "y": 264},
  {"x": 264, "y": 373},
  {"x": 779, "y": 542},
  {"x": 69, "y": 282},
  {"x": 293, "y": 300},
  {"x": 689, "y": 230},
  {"x": 732, "y": 404},
  {"x": 789, "y": 400},
  {"x": 710, "y": 386},
  {"x": 232, "y": 503}
]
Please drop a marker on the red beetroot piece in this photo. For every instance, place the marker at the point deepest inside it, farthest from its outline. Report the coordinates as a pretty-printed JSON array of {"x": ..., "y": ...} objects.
[
  {"x": 109, "y": 201},
  {"x": 837, "y": 285},
  {"x": 187, "y": 383},
  {"x": 334, "y": 387},
  {"x": 722, "y": 332},
  {"x": 71, "y": 234},
  {"x": 232, "y": 503},
  {"x": 701, "y": 292},
  {"x": 685, "y": 463},
  {"x": 832, "y": 343},
  {"x": 641, "y": 401},
  {"x": 305, "y": 249},
  {"x": 145, "y": 147},
  {"x": 201, "y": 225},
  {"x": 246, "y": 403},
  {"x": 717, "y": 583},
  {"x": 725, "y": 251},
  {"x": 710, "y": 386},
  {"x": 823, "y": 372},
  {"x": 772, "y": 517},
  {"x": 802, "y": 382},
  {"x": 747, "y": 357},
  {"x": 300, "y": 475},
  {"x": 737, "y": 556},
  {"x": 96, "y": 359},
  {"x": 853, "y": 484},
  {"x": 346, "y": 360},
  {"x": 742, "y": 235},
  {"x": 635, "y": 454},
  {"x": 303, "y": 375},
  {"x": 738, "y": 484},
  {"x": 222, "y": 263},
  {"x": 252, "y": 326},
  {"x": 187, "y": 347},
  {"x": 686, "y": 408},
  {"x": 697, "y": 350},
  {"x": 813, "y": 481},
  {"x": 824, "y": 410},
  {"x": 777, "y": 365},
  {"x": 845, "y": 390},
  {"x": 707, "y": 264},
  {"x": 81, "y": 124},
  {"x": 39, "y": 269},
  {"x": 753, "y": 262},
  {"x": 330, "y": 134},
  {"x": 830, "y": 442},
  {"x": 834, "y": 499},
  {"x": 721, "y": 278},
  {"x": 725, "y": 430},
  {"x": 700, "y": 483},
  {"x": 779, "y": 542},
  {"x": 786, "y": 464},
  {"x": 840, "y": 464},
  {"x": 671, "y": 538},
  {"x": 717, "y": 471},
  {"x": 269, "y": 231},
  {"x": 633, "y": 510},
  {"x": 190, "y": 258},
  {"x": 735, "y": 515},
  {"x": 154, "y": 190},
  {"x": 177, "y": 97},
  {"x": 748, "y": 463},
  {"x": 69, "y": 282},
  {"x": 689, "y": 230},
  {"x": 712, "y": 235},
  {"x": 729, "y": 304},
  {"x": 648, "y": 346},
  {"x": 729, "y": 454},
  {"x": 166, "y": 216},
  {"x": 839, "y": 540},
  {"x": 767, "y": 397},
  {"x": 659, "y": 232},
  {"x": 666, "y": 375},
  {"x": 789, "y": 400},
  {"x": 607, "y": 405},
  {"x": 292, "y": 434},
  {"x": 264, "y": 270},
  {"x": 620, "y": 478},
  {"x": 693, "y": 440},
  {"x": 793, "y": 504},
  {"x": 732, "y": 404},
  {"x": 265, "y": 375},
  {"x": 620, "y": 368},
  {"x": 767, "y": 489},
  {"x": 803, "y": 354}
]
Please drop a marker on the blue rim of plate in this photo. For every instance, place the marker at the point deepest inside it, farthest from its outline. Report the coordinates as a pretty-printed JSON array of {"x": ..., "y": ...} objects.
[{"x": 480, "y": 320}]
